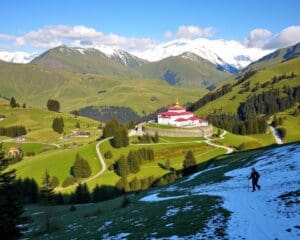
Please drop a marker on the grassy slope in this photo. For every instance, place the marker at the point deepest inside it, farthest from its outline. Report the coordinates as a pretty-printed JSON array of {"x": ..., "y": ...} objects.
[
  {"x": 38, "y": 123},
  {"x": 292, "y": 124},
  {"x": 34, "y": 85},
  {"x": 92, "y": 61},
  {"x": 188, "y": 72},
  {"x": 147, "y": 219},
  {"x": 261, "y": 76}
]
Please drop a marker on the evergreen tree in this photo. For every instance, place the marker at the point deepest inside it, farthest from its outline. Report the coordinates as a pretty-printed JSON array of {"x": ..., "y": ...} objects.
[
  {"x": 54, "y": 182},
  {"x": 122, "y": 166},
  {"x": 82, "y": 194},
  {"x": 77, "y": 125},
  {"x": 108, "y": 154},
  {"x": 10, "y": 205},
  {"x": 97, "y": 194},
  {"x": 60, "y": 199},
  {"x": 135, "y": 184},
  {"x": 133, "y": 162},
  {"x": 81, "y": 168},
  {"x": 47, "y": 195},
  {"x": 13, "y": 102},
  {"x": 24, "y": 105},
  {"x": 70, "y": 180},
  {"x": 189, "y": 163},
  {"x": 58, "y": 125},
  {"x": 53, "y": 105}
]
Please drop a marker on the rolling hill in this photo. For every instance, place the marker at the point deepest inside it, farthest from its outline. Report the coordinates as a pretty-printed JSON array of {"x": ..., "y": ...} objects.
[
  {"x": 229, "y": 102},
  {"x": 187, "y": 69},
  {"x": 34, "y": 85}
]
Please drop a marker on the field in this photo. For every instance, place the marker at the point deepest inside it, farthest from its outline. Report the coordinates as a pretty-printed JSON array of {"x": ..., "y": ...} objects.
[
  {"x": 75, "y": 90},
  {"x": 38, "y": 123}
]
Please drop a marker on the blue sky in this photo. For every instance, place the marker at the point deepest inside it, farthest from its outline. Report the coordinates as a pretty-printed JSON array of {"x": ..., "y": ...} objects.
[{"x": 231, "y": 20}]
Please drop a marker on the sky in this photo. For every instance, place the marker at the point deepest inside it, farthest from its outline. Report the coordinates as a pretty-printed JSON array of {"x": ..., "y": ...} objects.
[{"x": 132, "y": 25}]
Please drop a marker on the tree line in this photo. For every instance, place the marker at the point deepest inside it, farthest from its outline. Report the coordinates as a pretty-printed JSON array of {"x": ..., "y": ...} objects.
[
  {"x": 13, "y": 131},
  {"x": 268, "y": 103},
  {"x": 131, "y": 164},
  {"x": 232, "y": 123}
]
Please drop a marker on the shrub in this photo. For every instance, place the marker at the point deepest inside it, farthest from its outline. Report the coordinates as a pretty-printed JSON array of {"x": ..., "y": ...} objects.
[{"x": 70, "y": 180}]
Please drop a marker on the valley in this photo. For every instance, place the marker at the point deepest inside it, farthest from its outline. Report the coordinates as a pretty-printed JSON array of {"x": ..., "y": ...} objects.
[{"x": 104, "y": 136}]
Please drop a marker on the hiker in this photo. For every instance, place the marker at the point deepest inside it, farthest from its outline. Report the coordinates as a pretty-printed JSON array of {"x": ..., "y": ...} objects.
[{"x": 255, "y": 176}]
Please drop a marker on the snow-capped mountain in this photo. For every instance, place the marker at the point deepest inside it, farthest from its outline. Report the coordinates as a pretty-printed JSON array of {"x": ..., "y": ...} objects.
[
  {"x": 121, "y": 56},
  {"x": 17, "y": 57},
  {"x": 220, "y": 52}
]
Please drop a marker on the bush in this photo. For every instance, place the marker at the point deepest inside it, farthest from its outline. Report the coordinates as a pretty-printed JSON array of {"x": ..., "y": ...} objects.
[
  {"x": 54, "y": 182},
  {"x": 108, "y": 154},
  {"x": 70, "y": 180},
  {"x": 125, "y": 202}
]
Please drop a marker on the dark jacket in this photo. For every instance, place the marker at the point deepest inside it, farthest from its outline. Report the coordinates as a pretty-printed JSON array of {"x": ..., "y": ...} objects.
[{"x": 254, "y": 175}]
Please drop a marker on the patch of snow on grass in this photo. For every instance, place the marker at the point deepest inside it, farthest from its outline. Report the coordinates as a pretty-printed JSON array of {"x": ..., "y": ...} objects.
[
  {"x": 119, "y": 236},
  {"x": 37, "y": 213},
  {"x": 104, "y": 226},
  {"x": 259, "y": 215},
  {"x": 155, "y": 198},
  {"x": 193, "y": 176},
  {"x": 171, "y": 212}
]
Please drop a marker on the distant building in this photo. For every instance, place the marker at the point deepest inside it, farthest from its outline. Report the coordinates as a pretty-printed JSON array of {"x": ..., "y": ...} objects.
[
  {"x": 81, "y": 134},
  {"x": 2, "y": 117},
  {"x": 20, "y": 139},
  {"x": 14, "y": 152},
  {"x": 179, "y": 117}
]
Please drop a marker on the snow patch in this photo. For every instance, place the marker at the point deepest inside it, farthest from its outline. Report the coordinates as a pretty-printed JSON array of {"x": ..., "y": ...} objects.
[{"x": 155, "y": 198}]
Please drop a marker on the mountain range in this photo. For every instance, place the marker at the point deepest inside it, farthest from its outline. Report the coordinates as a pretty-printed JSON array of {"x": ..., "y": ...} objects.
[{"x": 230, "y": 55}]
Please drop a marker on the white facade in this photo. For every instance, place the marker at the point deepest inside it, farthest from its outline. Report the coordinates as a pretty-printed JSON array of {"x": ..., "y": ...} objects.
[{"x": 179, "y": 117}]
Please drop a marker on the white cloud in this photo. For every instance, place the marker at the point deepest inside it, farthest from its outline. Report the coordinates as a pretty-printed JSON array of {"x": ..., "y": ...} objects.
[
  {"x": 168, "y": 34},
  {"x": 51, "y": 36},
  {"x": 258, "y": 38},
  {"x": 263, "y": 38},
  {"x": 6, "y": 37},
  {"x": 287, "y": 37},
  {"x": 191, "y": 31}
]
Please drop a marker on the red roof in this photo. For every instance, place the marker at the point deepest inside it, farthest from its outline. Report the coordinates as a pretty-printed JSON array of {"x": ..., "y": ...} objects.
[
  {"x": 201, "y": 120},
  {"x": 174, "y": 113},
  {"x": 176, "y": 108},
  {"x": 181, "y": 120},
  {"x": 193, "y": 118}
]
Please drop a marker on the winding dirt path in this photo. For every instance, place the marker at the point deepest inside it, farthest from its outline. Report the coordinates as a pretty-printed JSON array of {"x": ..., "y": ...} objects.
[{"x": 208, "y": 141}]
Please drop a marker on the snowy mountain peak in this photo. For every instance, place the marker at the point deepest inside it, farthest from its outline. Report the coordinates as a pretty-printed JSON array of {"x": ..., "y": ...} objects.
[
  {"x": 220, "y": 52},
  {"x": 17, "y": 57}
]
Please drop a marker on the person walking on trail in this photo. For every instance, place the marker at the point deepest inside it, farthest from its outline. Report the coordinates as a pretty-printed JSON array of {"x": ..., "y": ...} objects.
[{"x": 254, "y": 176}]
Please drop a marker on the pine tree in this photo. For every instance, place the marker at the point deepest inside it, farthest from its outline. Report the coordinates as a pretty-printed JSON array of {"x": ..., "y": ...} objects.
[
  {"x": 53, "y": 105},
  {"x": 77, "y": 125},
  {"x": 58, "y": 125},
  {"x": 97, "y": 194},
  {"x": 13, "y": 102},
  {"x": 168, "y": 164},
  {"x": 10, "y": 205},
  {"x": 133, "y": 162},
  {"x": 189, "y": 163},
  {"x": 122, "y": 166},
  {"x": 81, "y": 168},
  {"x": 82, "y": 194},
  {"x": 47, "y": 195}
]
